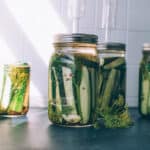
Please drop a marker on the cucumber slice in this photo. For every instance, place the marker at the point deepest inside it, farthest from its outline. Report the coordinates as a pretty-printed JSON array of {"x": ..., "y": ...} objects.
[
  {"x": 108, "y": 89},
  {"x": 148, "y": 99},
  {"x": 6, "y": 91},
  {"x": 115, "y": 63},
  {"x": 145, "y": 91},
  {"x": 54, "y": 107},
  {"x": 68, "y": 86},
  {"x": 93, "y": 88},
  {"x": 71, "y": 115},
  {"x": 85, "y": 102},
  {"x": 57, "y": 98},
  {"x": 50, "y": 85}
]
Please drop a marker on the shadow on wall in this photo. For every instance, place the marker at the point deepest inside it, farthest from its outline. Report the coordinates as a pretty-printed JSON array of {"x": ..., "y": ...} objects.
[{"x": 15, "y": 38}]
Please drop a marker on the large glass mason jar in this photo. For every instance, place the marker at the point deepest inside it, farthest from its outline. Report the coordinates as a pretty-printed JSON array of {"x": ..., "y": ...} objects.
[
  {"x": 112, "y": 79},
  {"x": 144, "y": 82},
  {"x": 14, "y": 89},
  {"x": 72, "y": 80}
]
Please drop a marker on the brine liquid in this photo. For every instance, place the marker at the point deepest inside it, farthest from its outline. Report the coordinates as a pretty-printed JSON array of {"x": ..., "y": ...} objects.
[
  {"x": 72, "y": 94},
  {"x": 112, "y": 84},
  {"x": 14, "y": 94},
  {"x": 144, "y": 89}
]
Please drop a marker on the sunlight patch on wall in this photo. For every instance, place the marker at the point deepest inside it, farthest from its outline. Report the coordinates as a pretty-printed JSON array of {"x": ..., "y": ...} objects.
[
  {"x": 6, "y": 53},
  {"x": 40, "y": 21},
  {"x": 36, "y": 98}
]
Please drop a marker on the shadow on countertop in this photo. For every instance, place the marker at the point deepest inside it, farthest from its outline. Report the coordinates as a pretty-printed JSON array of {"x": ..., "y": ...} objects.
[{"x": 36, "y": 132}]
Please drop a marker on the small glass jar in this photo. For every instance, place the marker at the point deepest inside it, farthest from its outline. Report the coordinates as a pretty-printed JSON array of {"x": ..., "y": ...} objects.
[
  {"x": 144, "y": 82},
  {"x": 14, "y": 90},
  {"x": 112, "y": 77},
  {"x": 72, "y": 80}
]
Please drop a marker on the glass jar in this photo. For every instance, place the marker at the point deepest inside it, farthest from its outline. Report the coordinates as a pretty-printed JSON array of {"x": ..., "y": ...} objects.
[
  {"x": 14, "y": 90},
  {"x": 112, "y": 77},
  {"x": 144, "y": 82},
  {"x": 72, "y": 80}
]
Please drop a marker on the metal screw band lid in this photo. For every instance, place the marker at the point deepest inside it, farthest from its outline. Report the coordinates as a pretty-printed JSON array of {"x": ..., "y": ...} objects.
[
  {"x": 146, "y": 47},
  {"x": 76, "y": 37}
]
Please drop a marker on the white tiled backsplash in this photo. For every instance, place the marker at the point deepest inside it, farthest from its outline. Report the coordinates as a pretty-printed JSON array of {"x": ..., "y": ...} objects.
[
  {"x": 132, "y": 28},
  {"x": 26, "y": 29}
]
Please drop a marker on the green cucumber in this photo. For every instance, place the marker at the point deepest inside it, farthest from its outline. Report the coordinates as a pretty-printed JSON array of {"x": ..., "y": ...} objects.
[
  {"x": 50, "y": 86},
  {"x": 122, "y": 82},
  {"x": 68, "y": 86},
  {"x": 104, "y": 78},
  {"x": 63, "y": 61},
  {"x": 85, "y": 93},
  {"x": 88, "y": 63},
  {"x": 51, "y": 91},
  {"x": 57, "y": 98},
  {"x": 17, "y": 97},
  {"x": 72, "y": 116},
  {"x": 100, "y": 81},
  {"x": 61, "y": 85},
  {"x": 145, "y": 91},
  {"x": 117, "y": 62},
  {"x": 54, "y": 106},
  {"x": 6, "y": 91},
  {"x": 108, "y": 89},
  {"x": 148, "y": 99},
  {"x": 116, "y": 88},
  {"x": 93, "y": 88}
]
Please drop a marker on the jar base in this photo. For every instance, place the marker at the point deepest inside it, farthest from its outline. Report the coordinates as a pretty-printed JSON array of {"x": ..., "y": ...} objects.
[
  {"x": 74, "y": 126},
  {"x": 11, "y": 116}
]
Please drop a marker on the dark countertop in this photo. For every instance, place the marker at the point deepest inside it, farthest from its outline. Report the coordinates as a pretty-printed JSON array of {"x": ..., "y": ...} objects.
[{"x": 36, "y": 132}]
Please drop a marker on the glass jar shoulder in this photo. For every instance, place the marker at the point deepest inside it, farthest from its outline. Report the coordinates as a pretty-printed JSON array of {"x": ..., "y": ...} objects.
[
  {"x": 70, "y": 60},
  {"x": 57, "y": 59}
]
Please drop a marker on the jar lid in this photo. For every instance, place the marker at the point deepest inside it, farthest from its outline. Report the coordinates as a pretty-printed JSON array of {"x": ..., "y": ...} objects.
[
  {"x": 76, "y": 37},
  {"x": 111, "y": 46},
  {"x": 146, "y": 47}
]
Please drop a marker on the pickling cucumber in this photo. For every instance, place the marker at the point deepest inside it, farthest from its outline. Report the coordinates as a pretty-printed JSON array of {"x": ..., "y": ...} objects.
[
  {"x": 108, "y": 89},
  {"x": 71, "y": 90},
  {"x": 6, "y": 91},
  {"x": 117, "y": 62},
  {"x": 55, "y": 107},
  {"x": 85, "y": 101},
  {"x": 72, "y": 117},
  {"x": 145, "y": 91},
  {"x": 93, "y": 88},
  {"x": 17, "y": 98}
]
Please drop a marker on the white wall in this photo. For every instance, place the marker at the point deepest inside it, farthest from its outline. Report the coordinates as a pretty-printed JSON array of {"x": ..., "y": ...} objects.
[{"x": 27, "y": 26}]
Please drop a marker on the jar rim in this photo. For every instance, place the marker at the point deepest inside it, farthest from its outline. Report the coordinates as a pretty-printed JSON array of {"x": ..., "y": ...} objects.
[
  {"x": 111, "y": 52},
  {"x": 88, "y": 45},
  {"x": 17, "y": 65},
  {"x": 111, "y": 46}
]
